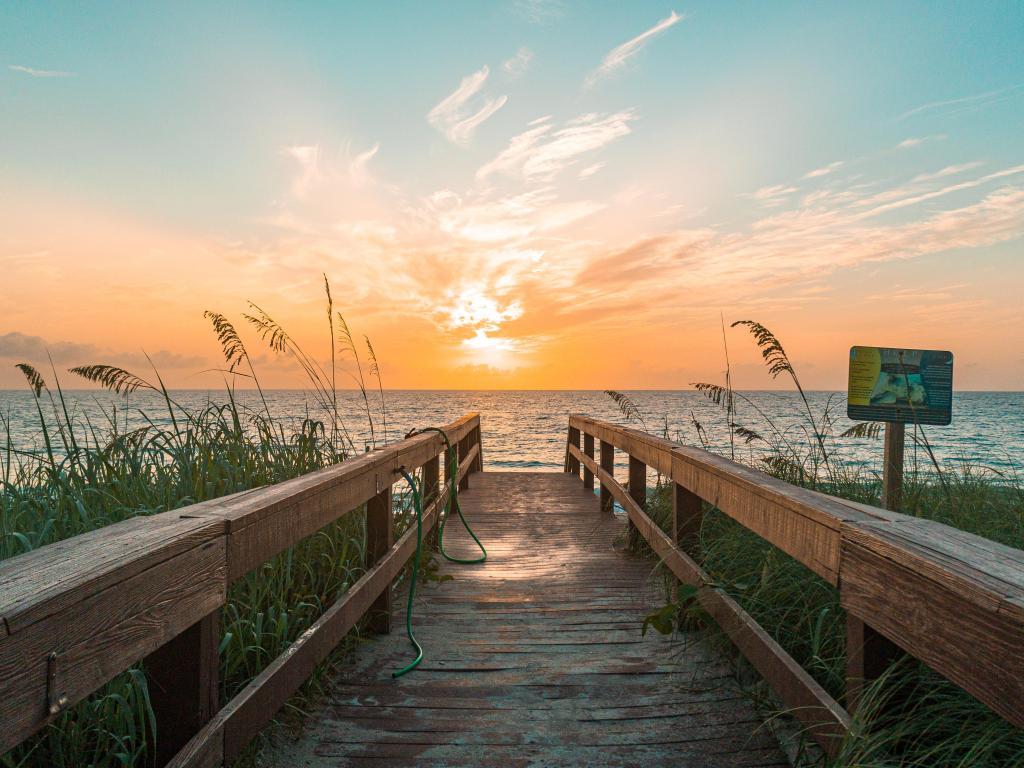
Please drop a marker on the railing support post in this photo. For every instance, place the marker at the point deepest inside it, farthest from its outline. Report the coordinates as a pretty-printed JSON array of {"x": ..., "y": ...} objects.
[
  {"x": 182, "y": 681},
  {"x": 638, "y": 492},
  {"x": 463, "y": 450},
  {"x": 687, "y": 517},
  {"x": 379, "y": 538},
  {"x": 431, "y": 479},
  {"x": 588, "y": 450},
  {"x": 868, "y": 655},
  {"x": 478, "y": 465},
  {"x": 608, "y": 465},
  {"x": 572, "y": 464}
]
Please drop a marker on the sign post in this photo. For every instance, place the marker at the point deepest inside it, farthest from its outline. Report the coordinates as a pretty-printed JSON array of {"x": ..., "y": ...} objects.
[
  {"x": 899, "y": 387},
  {"x": 892, "y": 465}
]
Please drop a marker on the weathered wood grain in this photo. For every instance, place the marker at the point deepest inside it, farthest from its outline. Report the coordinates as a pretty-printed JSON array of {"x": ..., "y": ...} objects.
[
  {"x": 103, "y": 634},
  {"x": 953, "y": 618},
  {"x": 268, "y": 521},
  {"x": 801, "y": 523},
  {"x": 536, "y": 657}
]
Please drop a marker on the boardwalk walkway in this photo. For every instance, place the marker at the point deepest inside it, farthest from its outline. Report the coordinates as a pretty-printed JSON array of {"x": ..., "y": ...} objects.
[{"x": 536, "y": 657}]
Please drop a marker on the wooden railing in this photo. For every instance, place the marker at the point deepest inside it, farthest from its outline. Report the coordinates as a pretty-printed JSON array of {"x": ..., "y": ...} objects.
[
  {"x": 76, "y": 613},
  {"x": 953, "y": 600}
]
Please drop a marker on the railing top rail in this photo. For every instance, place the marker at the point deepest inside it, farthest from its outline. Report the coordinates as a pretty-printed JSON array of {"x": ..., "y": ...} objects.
[{"x": 39, "y": 583}]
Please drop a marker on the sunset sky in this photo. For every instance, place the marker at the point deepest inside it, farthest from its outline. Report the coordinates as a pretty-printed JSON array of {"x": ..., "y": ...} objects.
[{"x": 523, "y": 194}]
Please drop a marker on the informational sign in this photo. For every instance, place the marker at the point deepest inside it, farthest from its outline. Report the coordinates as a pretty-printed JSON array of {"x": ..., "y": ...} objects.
[{"x": 913, "y": 386}]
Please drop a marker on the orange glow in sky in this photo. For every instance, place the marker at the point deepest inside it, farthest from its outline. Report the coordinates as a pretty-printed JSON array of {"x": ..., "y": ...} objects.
[{"x": 531, "y": 196}]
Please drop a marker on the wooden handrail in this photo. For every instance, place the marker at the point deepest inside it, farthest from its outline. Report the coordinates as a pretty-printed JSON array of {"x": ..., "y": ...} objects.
[
  {"x": 952, "y": 599},
  {"x": 76, "y": 613}
]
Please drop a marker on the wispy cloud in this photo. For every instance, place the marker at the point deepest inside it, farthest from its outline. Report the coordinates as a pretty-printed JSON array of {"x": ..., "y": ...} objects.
[
  {"x": 917, "y": 141},
  {"x": 772, "y": 196},
  {"x": 541, "y": 152},
  {"x": 966, "y": 103},
  {"x": 518, "y": 64},
  {"x": 454, "y": 116},
  {"x": 619, "y": 55},
  {"x": 949, "y": 170},
  {"x": 40, "y": 72},
  {"x": 540, "y": 11},
  {"x": 824, "y": 170}
]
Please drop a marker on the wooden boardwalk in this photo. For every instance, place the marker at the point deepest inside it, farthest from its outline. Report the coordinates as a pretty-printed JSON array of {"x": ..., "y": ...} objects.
[{"x": 535, "y": 658}]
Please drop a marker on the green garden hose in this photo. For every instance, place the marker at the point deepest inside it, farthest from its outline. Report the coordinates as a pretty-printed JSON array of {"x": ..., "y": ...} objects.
[
  {"x": 418, "y": 504},
  {"x": 453, "y": 500}
]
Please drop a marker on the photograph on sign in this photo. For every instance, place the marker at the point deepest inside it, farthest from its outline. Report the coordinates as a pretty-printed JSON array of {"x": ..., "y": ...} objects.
[{"x": 913, "y": 386}]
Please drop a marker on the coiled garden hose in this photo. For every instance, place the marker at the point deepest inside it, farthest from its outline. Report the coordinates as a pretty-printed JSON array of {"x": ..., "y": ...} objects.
[
  {"x": 452, "y": 460},
  {"x": 418, "y": 505}
]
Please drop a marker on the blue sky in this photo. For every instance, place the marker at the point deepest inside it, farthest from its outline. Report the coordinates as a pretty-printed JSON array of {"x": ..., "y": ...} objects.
[{"x": 623, "y": 154}]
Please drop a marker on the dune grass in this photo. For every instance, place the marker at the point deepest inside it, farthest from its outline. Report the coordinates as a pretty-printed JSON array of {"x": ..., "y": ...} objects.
[
  {"x": 87, "y": 475},
  {"x": 911, "y": 718}
]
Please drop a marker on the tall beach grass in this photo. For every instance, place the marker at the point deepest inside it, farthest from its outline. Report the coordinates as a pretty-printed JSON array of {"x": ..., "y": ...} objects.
[{"x": 84, "y": 475}]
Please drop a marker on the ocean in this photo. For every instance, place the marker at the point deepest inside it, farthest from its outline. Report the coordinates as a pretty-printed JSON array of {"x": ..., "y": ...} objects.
[{"x": 526, "y": 430}]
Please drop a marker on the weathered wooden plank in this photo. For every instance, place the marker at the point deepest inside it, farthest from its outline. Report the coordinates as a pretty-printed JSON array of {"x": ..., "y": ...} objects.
[
  {"x": 803, "y": 524},
  {"x": 56, "y": 577},
  {"x": 804, "y": 698},
  {"x": 103, "y": 634},
  {"x": 943, "y": 616},
  {"x": 977, "y": 569},
  {"x": 536, "y": 657}
]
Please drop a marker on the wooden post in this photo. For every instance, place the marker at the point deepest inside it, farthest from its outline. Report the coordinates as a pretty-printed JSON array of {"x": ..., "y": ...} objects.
[
  {"x": 431, "y": 479},
  {"x": 868, "y": 655},
  {"x": 687, "y": 516},
  {"x": 572, "y": 463},
  {"x": 182, "y": 679},
  {"x": 379, "y": 538},
  {"x": 608, "y": 465},
  {"x": 463, "y": 450},
  {"x": 638, "y": 492},
  {"x": 588, "y": 449},
  {"x": 478, "y": 465},
  {"x": 892, "y": 465}
]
